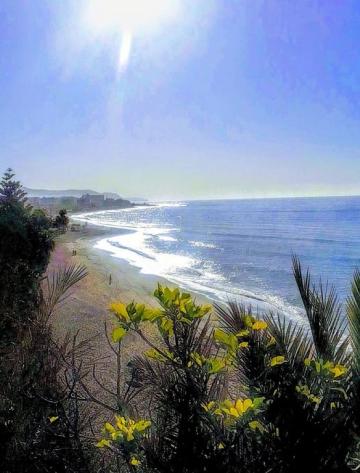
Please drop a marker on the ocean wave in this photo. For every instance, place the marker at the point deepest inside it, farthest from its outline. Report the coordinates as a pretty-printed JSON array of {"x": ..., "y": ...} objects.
[
  {"x": 166, "y": 238},
  {"x": 134, "y": 248},
  {"x": 201, "y": 244},
  {"x": 140, "y": 247},
  {"x": 190, "y": 274},
  {"x": 95, "y": 218}
]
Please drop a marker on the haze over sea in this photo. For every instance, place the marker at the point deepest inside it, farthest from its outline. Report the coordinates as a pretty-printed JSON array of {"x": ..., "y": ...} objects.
[{"x": 240, "y": 249}]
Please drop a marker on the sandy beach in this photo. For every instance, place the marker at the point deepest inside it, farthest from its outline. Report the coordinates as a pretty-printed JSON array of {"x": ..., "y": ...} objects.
[{"x": 86, "y": 308}]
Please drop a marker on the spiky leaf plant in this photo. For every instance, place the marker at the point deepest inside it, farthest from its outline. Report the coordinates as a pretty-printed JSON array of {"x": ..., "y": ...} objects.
[{"x": 303, "y": 376}]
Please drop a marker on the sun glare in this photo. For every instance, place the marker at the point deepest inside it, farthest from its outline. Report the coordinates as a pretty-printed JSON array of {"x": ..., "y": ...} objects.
[
  {"x": 127, "y": 18},
  {"x": 134, "y": 15}
]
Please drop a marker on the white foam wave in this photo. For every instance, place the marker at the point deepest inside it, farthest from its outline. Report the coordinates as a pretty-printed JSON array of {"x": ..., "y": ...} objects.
[
  {"x": 103, "y": 217},
  {"x": 167, "y": 238},
  {"x": 134, "y": 248},
  {"x": 137, "y": 248},
  {"x": 201, "y": 244}
]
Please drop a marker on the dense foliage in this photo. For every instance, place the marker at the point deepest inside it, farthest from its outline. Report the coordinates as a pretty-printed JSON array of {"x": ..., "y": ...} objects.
[
  {"x": 239, "y": 392},
  {"x": 62, "y": 220},
  {"x": 31, "y": 362},
  {"x": 25, "y": 246}
]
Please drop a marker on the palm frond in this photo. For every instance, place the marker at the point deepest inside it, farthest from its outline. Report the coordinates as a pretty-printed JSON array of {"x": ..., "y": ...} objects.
[
  {"x": 58, "y": 285},
  {"x": 232, "y": 316},
  {"x": 324, "y": 314},
  {"x": 291, "y": 340},
  {"x": 353, "y": 315}
]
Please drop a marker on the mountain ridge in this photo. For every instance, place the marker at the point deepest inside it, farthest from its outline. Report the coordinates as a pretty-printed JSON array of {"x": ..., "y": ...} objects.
[{"x": 68, "y": 193}]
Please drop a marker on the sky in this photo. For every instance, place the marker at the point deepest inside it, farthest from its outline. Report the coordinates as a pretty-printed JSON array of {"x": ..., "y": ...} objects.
[{"x": 182, "y": 99}]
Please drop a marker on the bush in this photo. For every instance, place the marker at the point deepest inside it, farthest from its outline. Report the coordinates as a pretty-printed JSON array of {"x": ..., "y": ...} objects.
[{"x": 251, "y": 393}]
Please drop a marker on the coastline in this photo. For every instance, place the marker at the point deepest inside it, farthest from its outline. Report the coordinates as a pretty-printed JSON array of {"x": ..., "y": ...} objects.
[{"x": 85, "y": 310}]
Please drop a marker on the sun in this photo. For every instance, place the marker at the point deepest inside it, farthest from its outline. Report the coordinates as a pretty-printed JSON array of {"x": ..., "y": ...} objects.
[
  {"x": 129, "y": 14},
  {"x": 128, "y": 18}
]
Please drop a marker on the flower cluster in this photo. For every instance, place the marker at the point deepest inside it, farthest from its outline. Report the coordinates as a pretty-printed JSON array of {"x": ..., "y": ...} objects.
[
  {"x": 234, "y": 411},
  {"x": 123, "y": 434},
  {"x": 211, "y": 365},
  {"x": 304, "y": 390},
  {"x": 124, "y": 430},
  {"x": 180, "y": 305},
  {"x": 233, "y": 342},
  {"x": 326, "y": 368},
  {"x": 186, "y": 307}
]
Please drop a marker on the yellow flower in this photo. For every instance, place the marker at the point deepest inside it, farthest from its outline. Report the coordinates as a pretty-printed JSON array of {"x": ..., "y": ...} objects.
[
  {"x": 243, "y": 406},
  {"x": 243, "y": 344},
  {"x": 243, "y": 333},
  {"x": 238, "y": 408},
  {"x": 120, "y": 311},
  {"x": 249, "y": 320},
  {"x": 221, "y": 446},
  {"x": 277, "y": 360},
  {"x": 327, "y": 367},
  {"x": 109, "y": 428},
  {"x": 259, "y": 325},
  {"x": 103, "y": 443},
  {"x": 134, "y": 461},
  {"x": 53, "y": 419},
  {"x": 338, "y": 370},
  {"x": 208, "y": 407},
  {"x": 142, "y": 425},
  {"x": 305, "y": 391},
  {"x": 118, "y": 333},
  {"x": 256, "y": 425},
  {"x": 125, "y": 428}
]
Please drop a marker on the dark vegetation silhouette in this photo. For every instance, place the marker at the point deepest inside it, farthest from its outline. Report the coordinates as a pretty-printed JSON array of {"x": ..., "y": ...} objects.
[
  {"x": 222, "y": 389},
  {"x": 31, "y": 361},
  {"x": 62, "y": 220}
]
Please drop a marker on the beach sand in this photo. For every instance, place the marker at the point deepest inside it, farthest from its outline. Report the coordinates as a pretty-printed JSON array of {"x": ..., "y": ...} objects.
[{"x": 86, "y": 309}]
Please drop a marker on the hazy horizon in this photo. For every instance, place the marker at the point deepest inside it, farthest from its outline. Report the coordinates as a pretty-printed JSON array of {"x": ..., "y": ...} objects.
[
  {"x": 255, "y": 197},
  {"x": 182, "y": 100}
]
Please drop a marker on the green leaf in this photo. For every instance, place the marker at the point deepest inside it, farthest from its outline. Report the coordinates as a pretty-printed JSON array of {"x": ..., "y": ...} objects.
[
  {"x": 216, "y": 365},
  {"x": 227, "y": 339}
]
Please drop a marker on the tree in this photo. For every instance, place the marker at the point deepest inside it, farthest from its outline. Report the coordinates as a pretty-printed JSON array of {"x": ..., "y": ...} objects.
[
  {"x": 25, "y": 246},
  {"x": 62, "y": 220},
  {"x": 11, "y": 191}
]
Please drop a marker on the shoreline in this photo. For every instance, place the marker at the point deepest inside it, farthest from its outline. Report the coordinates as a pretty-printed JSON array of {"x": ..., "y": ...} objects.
[
  {"x": 208, "y": 292},
  {"x": 86, "y": 309}
]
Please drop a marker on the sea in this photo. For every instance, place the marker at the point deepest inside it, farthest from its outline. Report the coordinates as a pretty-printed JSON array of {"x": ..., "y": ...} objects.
[{"x": 240, "y": 249}]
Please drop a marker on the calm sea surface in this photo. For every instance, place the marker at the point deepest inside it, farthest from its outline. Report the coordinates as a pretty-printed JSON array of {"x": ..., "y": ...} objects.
[{"x": 240, "y": 249}]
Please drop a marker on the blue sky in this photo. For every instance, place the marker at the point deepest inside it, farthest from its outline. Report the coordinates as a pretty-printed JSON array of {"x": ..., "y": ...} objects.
[{"x": 227, "y": 98}]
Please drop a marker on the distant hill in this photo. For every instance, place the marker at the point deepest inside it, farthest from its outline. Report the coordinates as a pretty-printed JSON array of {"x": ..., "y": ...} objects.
[
  {"x": 136, "y": 199},
  {"x": 67, "y": 193}
]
